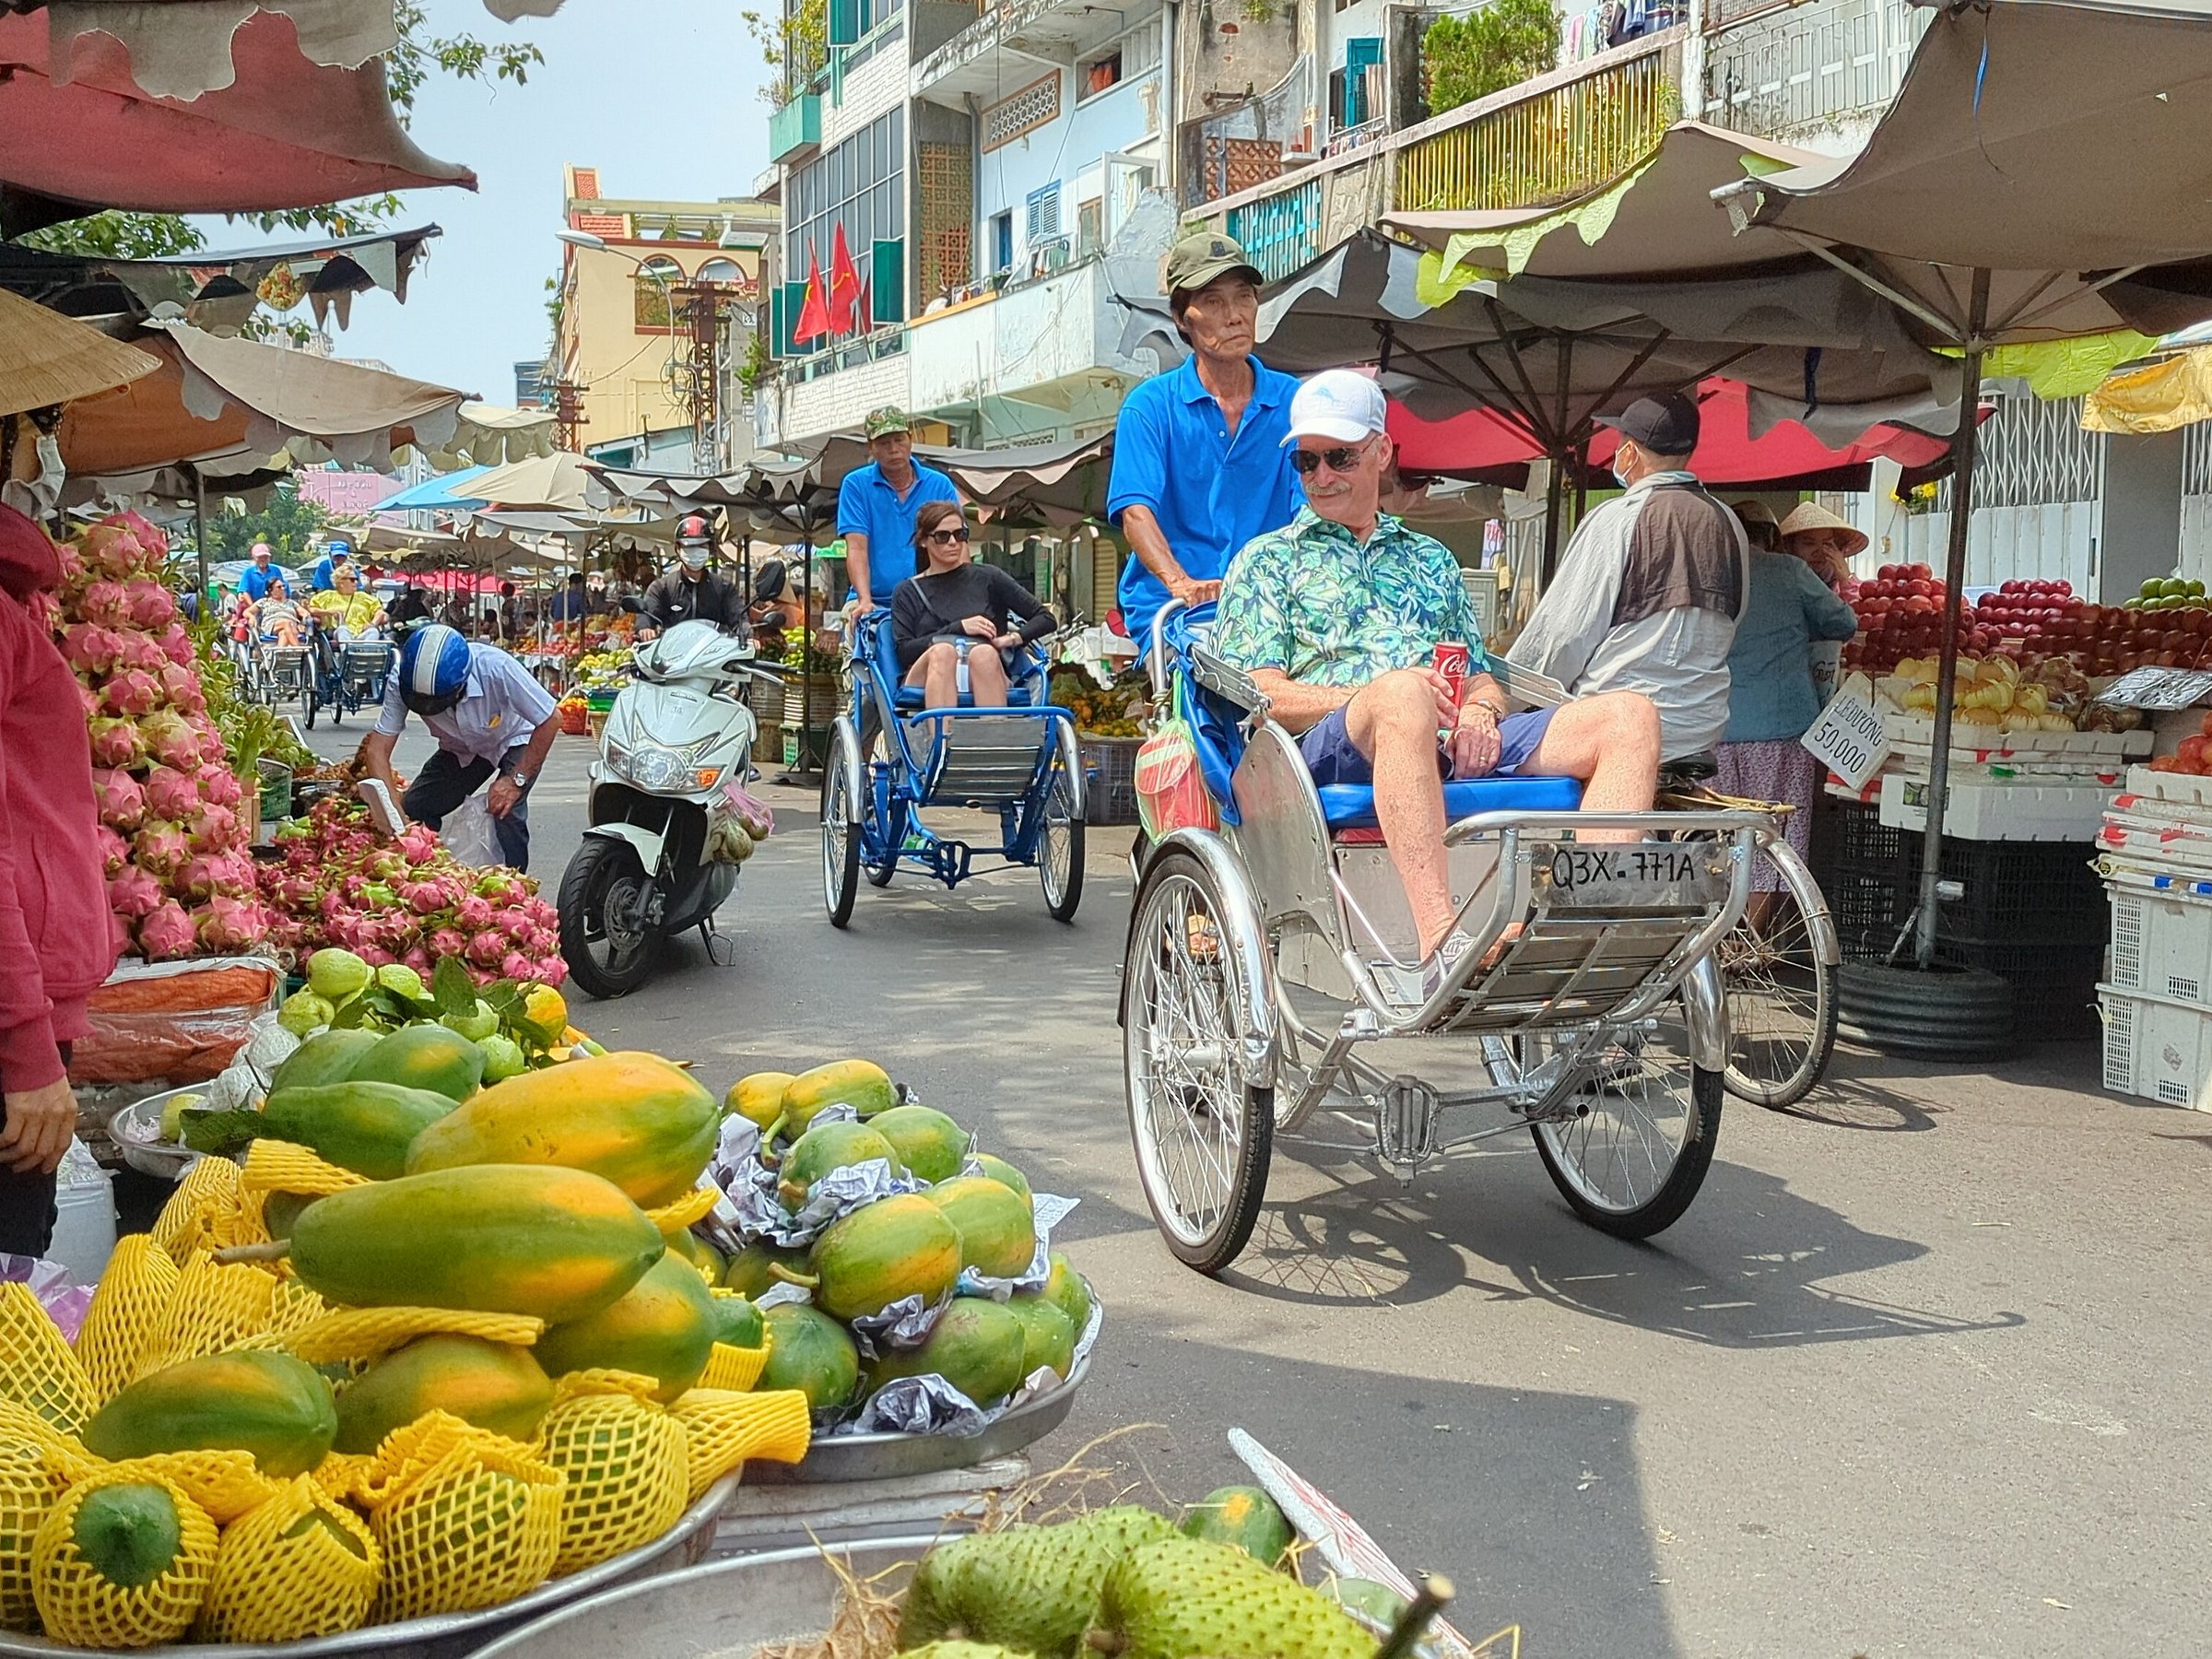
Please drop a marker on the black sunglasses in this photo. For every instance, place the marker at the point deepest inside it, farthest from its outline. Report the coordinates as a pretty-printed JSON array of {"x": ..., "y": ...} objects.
[
  {"x": 956, "y": 535},
  {"x": 1305, "y": 463}
]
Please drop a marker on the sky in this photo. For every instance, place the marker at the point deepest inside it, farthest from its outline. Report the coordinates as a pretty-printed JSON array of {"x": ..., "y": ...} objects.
[{"x": 662, "y": 96}]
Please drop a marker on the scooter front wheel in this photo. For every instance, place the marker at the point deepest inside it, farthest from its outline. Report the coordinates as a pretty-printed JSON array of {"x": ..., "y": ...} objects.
[{"x": 606, "y": 934}]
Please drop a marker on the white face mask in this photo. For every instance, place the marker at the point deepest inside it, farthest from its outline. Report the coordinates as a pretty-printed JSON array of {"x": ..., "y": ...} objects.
[
  {"x": 695, "y": 559},
  {"x": 1620, "y": 476}
]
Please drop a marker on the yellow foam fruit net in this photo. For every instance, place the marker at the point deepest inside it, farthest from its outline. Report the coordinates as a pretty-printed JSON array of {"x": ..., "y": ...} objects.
[
  {"x": 623, "y": 1457},
  {"x": 128, "y": 1320},
  {"x": 217, "y": 1306},
  {"x": 205, "y": 1211},
  {"x": 733, "y": 1369},
  {"x": 297, "y": 1566},
  {"x": 79, "y": 1605},
  {"x": 29, "y": 1485},
  {"x": 678, "y": 1213},
  {"x": 723, "y": 1429},
  {"x": 224, "y": 1482},
  {"x": 362, "y": 1333},
  {"x": 37, "y": 1369},
  {"x": 464, "y": 1517},
  {"x": 275, "y": 1166}
]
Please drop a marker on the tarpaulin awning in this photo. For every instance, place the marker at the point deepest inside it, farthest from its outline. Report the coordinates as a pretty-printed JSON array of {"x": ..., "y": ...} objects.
[
  {"x": 448, "y": 493},
  {"x": 493, "y": 434},
  {"x": 554, "y": 481},
  {"x": 79, "y": 134},
  {"x": 46, "y": 358},
  {"x": 1053, "y": 484},
  {"x": 2163, "y": 397}
]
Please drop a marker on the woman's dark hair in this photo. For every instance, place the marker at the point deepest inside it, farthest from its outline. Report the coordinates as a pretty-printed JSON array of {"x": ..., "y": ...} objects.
[{"x": 929, "y": 515}]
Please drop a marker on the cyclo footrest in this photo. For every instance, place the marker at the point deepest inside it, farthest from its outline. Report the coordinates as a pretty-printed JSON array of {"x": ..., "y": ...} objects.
[{"x": 1405, "y": 1125}]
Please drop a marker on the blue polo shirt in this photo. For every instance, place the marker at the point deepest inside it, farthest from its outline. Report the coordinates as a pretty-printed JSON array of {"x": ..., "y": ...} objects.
[
  {"x": 867, "y": 505},
  {"x": 1218, "y": 493},
  {"x": 254, "y": 582}
]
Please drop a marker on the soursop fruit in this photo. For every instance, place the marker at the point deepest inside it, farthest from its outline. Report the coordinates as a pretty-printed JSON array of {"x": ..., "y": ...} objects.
[
  {"x": 1031, "y": 1588},
  {"x": 1186, "y": 1595}
]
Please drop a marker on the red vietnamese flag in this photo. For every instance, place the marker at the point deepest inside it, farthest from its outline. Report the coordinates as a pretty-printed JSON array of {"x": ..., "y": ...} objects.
[
  {"x": 867, "y": 309},
  {"x": 814, "y": 313},
  {"x": 844, "y": 284}
]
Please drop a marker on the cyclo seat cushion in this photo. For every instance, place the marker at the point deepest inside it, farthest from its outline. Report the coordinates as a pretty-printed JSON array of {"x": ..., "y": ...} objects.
[{"x": 1352, "y": 806}]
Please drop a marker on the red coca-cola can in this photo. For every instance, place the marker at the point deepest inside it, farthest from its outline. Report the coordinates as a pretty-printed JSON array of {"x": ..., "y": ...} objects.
[{"x": 1451, "y": 661}]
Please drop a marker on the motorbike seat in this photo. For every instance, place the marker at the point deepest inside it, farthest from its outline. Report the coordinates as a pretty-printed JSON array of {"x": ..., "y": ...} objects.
[{"x": 1352, "y": 806}]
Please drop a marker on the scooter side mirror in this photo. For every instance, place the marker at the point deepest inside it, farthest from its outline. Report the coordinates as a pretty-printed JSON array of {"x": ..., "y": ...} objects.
[
  {"x": 769, "y": 580},
  {"x": 630, "y": 602}
]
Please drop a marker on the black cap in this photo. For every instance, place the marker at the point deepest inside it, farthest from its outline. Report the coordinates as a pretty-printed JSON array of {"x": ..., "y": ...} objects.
[{"x": 1666, "y": 424}]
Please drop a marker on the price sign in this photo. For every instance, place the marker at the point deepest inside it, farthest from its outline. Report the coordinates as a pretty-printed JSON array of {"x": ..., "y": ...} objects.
[{"x": 1849, "y": 739}]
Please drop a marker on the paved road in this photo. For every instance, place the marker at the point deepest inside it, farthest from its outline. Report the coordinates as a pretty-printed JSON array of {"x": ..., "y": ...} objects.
[{"x": 1924, "y": 1373}]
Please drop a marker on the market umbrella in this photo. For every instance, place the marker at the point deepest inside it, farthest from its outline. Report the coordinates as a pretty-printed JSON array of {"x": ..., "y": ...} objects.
[
  {"x": 490, "y": 434},
  {"x": 2042, "y": 174},
  {"x": 554, "y": 481},
  {"x": 445, "y": 493},
  {"x": 47, "y": 359},
  {"x": 1057, "y": 485}
]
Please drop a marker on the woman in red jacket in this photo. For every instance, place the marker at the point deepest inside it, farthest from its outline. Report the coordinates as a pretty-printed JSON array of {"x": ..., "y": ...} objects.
[{"x": 57, "y": 935}]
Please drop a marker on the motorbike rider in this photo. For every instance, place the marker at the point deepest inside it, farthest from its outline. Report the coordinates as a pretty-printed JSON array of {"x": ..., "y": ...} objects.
[
  {"x": 492, "y": 721},
  {"x": 693, "y": 591}
]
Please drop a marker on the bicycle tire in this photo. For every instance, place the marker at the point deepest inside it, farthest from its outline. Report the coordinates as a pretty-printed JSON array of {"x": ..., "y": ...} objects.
[{"x": 1782, "y": 999}]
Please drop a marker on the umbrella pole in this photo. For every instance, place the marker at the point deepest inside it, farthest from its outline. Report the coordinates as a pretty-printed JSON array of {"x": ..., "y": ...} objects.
[
  {"x": 1554, "y": 504},
  {"x": 199, "y": 528},
  {"x": 1954, "y": 575}
]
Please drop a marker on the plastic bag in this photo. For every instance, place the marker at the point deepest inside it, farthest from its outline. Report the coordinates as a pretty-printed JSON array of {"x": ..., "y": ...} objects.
[
  {"x": 1171, "y": 790},
  {"x": 469, "y": 834},
  {"x": 185, "y": 1021}
]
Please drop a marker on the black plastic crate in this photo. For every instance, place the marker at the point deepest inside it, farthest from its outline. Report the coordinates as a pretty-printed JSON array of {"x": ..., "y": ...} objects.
[{"x": 1110, "y": 780}]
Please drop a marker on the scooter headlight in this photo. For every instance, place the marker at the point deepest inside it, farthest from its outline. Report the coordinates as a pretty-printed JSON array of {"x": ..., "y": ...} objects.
[{"x": 660, "y": 769}]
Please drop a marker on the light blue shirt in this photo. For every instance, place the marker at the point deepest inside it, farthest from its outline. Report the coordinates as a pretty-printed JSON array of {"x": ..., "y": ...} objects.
[
  {"x": 867, "y": 505},
  {"x": 1212, "y": 492},
  {"x": 254, "y": 580},
  {"x": 501, "y": 707},
  {"x": 1786, "y": 607},
  {"x": 320, "y": 577}
]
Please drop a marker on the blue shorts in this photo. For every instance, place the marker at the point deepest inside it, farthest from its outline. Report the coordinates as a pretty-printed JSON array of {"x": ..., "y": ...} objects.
[{"x": 1332, "y": 757}]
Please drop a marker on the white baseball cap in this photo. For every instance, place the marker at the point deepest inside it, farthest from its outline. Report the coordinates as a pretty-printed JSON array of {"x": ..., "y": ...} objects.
[{"x": 1338, "y": 404}]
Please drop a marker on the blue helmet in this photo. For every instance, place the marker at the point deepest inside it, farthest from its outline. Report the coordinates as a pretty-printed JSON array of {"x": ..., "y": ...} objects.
[{"x": 433, "y": 669}]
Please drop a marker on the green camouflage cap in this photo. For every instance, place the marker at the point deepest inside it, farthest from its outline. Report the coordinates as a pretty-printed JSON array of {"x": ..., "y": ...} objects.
[
  {"x": 883, "y": 422},
  {"x": 1204, "y": 255}
]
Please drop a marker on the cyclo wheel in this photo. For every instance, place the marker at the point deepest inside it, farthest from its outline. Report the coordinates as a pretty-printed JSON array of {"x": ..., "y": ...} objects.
[
  {"x": 1634, "y": 1155},
  {"x": 605, "y": 897},
  {"x": 1060, "y": 846},
  {"x": 881, "y": 872},
  {"x": 840, "y": 832},
  {"x": 1202, "y": 1137},
  {"x": 1782, "y": 995}
]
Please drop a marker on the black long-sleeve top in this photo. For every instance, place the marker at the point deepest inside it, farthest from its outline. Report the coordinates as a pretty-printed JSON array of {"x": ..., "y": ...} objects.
[{"x": 925, "y": 608}]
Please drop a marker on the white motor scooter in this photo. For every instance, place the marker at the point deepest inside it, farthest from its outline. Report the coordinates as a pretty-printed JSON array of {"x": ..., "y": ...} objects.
[{"x": 665, "y": 839}]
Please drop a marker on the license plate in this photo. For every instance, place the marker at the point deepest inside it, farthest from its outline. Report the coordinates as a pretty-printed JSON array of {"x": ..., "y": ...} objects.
[{"x": 1632, "y": 875}]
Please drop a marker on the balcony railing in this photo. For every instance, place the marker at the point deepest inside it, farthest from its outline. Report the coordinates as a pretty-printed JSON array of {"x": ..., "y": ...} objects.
[
  {"x": 1281, "y": 233},
  {"x": 1791, "y": 73},
  {"x": 795, "y": 128}
]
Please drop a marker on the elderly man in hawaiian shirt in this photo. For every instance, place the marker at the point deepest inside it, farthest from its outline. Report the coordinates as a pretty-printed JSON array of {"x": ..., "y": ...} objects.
[{"x": 1336, "y": 616}]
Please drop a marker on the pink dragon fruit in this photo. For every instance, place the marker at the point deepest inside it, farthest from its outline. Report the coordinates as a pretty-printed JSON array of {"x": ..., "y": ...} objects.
[
  {"x": 448, "y": 942},
  {"x": 217, "y": 875},
  {"x": 87, "y": 700},
  {"x": 225, "y": 925},
  {"x": 133, "y": 691},
  {"x": 180, "y": 687},
  {"x": 553, "y": 970},
  {"x": 133, "y": 894},
  {"x": 122, "y": 801},
  {"x": 174, "y": 740},
  {"x": 218, "y": 784},
  {"x": 166, "y": 932},
  {"x": 141, "y": 652},
  {"x": 116, "y": 742},
  {"x": 148, "y": 604},
  {"x": 214, "y": 828},
  {"x": 418, "y": 843},
  {"x": 421, "y": 897},
  {"x": 420, "y": 960},
  {"x": 515, "y": 965},
  {"x": 91, "y": 649},
  {"x": 485, "y": 948},
  {"x": 176, "y": 645},
  {"x": 376, "y": 956},
  {"x": 472, "y": 913},
  {"x": 161, "y": 849},
  {"x": 170, "y": 793},
  {"x": 122, "y": 546},
  {"x": 104, "y": 603},
  {"x": 114, "y": 851}
]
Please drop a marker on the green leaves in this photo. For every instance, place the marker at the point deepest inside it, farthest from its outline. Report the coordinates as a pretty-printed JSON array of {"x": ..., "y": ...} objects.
[
  {"x": 455, "y": 992},
  {"x": 1506, "y": 43},
  {"x": 218, "y": 1131}
]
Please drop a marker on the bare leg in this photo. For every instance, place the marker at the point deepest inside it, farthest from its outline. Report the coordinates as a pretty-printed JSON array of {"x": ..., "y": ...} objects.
[
  {"x": 938, "y": 673},
  {"x": 987, "y": 677},
  {"x": 1611, "y": 742},
  {"x": 1392, "y": 721}
]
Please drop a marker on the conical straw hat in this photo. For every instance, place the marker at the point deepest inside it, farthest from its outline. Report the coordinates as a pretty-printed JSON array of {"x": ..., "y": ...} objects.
[
  {"x": 46, "y": 358},
  {"x": 1811, "y": 515}
]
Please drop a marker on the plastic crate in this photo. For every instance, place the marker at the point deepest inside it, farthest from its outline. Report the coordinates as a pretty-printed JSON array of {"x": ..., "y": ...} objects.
[
  {"x": 2156, "y": 1049},
  {"x": 1986, "y": 812},
  {"x": 2162, "y": 945},
  {"x": 1110, "y": 780}
]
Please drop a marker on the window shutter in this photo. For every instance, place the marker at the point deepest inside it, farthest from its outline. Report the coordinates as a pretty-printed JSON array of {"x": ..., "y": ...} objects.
[
  {"x": 844, "y": 22},
  {"x": 887, "y": 291}
]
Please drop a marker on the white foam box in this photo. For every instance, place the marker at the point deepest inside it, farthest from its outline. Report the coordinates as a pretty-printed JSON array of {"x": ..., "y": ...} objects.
[
  {"x": 2186, "y": 787},
  {"x": 1918, "y": 732},
  {"x": 2162, "y": 943},
  {"x": 2051, "y": 812},
  {"x": 2156, "y": 1049}
]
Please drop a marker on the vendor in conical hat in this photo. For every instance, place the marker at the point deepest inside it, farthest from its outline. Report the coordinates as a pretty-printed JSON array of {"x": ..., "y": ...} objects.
[{"x": 1824, "y": 541}]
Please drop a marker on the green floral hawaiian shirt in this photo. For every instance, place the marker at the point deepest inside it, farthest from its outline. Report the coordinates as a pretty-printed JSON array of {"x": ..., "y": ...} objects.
[{"x": 1309, "y": 600}]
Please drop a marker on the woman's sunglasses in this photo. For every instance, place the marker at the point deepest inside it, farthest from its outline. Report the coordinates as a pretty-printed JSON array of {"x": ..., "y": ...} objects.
[
  {"x": 959, "y": 533},
  {"x": 1305, "y": 463}
]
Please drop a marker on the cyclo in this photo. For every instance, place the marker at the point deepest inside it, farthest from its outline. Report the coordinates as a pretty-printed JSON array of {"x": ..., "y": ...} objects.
[
  {"x": 1020, "y": 762},
  {"x": 1264, "y": 954}
]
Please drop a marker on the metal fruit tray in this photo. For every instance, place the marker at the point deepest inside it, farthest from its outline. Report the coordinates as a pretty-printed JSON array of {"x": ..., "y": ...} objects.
[
  {"x": 136, "y": 1131},
  {"x": 450, "y": 1635}
]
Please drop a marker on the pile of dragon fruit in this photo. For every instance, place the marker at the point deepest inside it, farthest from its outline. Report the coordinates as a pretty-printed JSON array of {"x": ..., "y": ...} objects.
[
  {"x": 174, "y": 821},
  {"x": 405, "y": 899}
]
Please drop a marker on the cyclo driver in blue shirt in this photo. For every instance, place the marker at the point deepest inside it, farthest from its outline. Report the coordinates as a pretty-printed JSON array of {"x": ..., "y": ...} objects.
[
  {"x": 491, "y": 719},
  {"x": 1335, "y": 618},
  {"x": 1199, "y": 466}
]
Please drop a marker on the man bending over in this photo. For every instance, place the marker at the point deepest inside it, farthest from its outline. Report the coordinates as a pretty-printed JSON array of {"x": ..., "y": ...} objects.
[{"x": 1335, "y": 618}]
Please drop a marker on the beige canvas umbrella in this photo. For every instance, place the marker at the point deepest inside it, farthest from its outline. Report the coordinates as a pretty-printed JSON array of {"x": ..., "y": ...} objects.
[
  {"x": 47, "y": 359},
  {"x": 553, "y": 482}
]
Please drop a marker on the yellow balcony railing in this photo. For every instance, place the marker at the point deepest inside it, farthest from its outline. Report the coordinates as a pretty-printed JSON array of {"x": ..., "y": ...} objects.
[{"x": 1549, "y": 148}]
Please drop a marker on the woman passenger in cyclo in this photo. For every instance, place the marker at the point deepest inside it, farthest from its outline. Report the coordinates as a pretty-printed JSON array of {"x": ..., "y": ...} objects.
[
  {"x": 344, "y": 608},
  {"x": 278, "y": 616},
  {"x": 954, "y": 598},
  {"x": 1772, "y": 698}
]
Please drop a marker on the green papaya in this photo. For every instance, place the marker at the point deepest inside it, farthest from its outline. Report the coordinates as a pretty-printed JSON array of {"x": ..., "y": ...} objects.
[
  {"x": 358, "y": 1125},
  {"x": 256, "y": 1400},
  {"x": 931, "y": 1145},
  {"x": 1070, "y": 1292},
  {"x": 663, "y": 1327},
  {"x": 1005, "y": 1173},
  {"x": 711, "y": 1262},
  {"x": 997, "y": 1228},
  {"x": 757, "y": 1099},
  {"x": 130, "y": 1534},
  {"x": 535, "y": 1239},
  {"x": 759, "y": 1266},
  {"x": 826, "y": 1147},
  {"x": 737, "y": 1323},
  {"x": 1049, "y": 1338},
  {"x": 1244, "y": 1516},
  {"x": 1363, "y": 1598},
  {"x": 642, "y": 1122},
  {"x": 281, "y": 1212},
  {"x": 867, "y": 1087},
  {"x": 976, "y": 1346},
  {"x": 811, "y": 1352},
  {"x": 876, "y": 1255},
  {"x": 424, "y": 1056},
  {"x": 494, "y": 1385},
  {"x": 329, "y": 1058}
]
